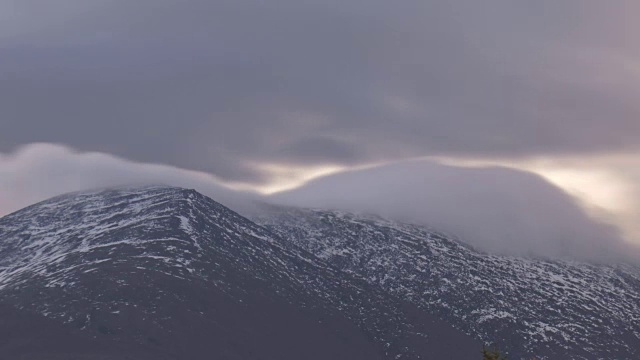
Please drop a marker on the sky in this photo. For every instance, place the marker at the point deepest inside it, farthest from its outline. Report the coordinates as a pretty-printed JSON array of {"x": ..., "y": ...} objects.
[{"x": 268, "y": 96}]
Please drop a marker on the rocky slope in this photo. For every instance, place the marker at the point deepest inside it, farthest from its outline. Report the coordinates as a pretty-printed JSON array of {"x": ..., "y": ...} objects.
[
  {"x": 168, "y": 273},
  {"x": 553, "y": 309}
]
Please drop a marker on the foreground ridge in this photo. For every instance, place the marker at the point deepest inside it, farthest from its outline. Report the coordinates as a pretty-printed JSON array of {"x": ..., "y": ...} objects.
[{"x": 176, "y": 275}]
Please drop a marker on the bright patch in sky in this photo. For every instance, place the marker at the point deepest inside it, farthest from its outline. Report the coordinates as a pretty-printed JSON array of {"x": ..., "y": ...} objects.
[
  {"x": 284, "y": 177},
  {"x": 607, "y": 186}
]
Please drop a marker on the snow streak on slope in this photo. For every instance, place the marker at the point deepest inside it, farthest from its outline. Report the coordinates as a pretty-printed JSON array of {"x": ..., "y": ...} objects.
[{"x": 556, "y": 309}]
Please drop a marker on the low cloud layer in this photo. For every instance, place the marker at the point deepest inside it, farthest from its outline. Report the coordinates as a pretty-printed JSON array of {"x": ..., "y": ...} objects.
[
  {"x": 40, "y": 171},
  {"x": 219, "y": 86},
  {"x": 495, "y": 209}
]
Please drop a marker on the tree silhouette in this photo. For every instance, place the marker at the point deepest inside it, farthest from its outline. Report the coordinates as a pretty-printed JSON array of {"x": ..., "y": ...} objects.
[{"x": 492, "y": 354}]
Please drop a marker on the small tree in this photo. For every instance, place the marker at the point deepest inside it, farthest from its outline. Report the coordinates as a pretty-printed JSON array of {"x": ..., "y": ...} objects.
[{"x": 492, "y": 354}]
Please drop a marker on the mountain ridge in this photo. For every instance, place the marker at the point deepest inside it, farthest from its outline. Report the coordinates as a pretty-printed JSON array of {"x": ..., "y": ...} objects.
[
  {"x": 532, "y": 307},
  {"x": 177, "y": 271}
]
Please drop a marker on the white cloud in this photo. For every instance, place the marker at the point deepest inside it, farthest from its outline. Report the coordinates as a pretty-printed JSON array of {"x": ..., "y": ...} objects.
[
  {"x": 496, "y": 209},
  {"x": 608, "y": 186},
  {"x": 38, "y": 171}
]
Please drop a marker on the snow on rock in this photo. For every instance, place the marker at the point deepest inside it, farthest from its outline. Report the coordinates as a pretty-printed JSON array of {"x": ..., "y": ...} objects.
[
  {"x": 558, "y": 309},
  {"x": 138, "y": 263}
]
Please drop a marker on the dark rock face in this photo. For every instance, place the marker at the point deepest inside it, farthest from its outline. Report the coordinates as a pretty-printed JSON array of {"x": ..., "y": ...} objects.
[
  {"x": 167, "y": 273},
  {"x": 27, "y": 336},
  {"x": 552, "y": 309}
]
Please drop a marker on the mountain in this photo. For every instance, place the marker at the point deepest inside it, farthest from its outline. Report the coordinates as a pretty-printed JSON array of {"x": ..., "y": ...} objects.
[
  {"x": 530, "y": 307},
  {"x": 167, "y": 273}
]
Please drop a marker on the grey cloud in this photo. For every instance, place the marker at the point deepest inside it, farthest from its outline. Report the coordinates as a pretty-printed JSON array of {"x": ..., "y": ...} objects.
[
  {"x": 218, "y": 85},
  {"x": 494, "y": 209},
  {"x": 318, "y": 149}
]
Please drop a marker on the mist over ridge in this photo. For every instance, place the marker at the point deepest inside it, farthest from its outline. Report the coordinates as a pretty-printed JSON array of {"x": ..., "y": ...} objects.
[{"x": 495, "y": 209}]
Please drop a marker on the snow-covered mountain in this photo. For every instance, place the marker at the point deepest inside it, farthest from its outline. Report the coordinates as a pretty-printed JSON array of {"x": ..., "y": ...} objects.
[
  {"x": 554, "y": 309},
  {"x": 167, "y": 273}
]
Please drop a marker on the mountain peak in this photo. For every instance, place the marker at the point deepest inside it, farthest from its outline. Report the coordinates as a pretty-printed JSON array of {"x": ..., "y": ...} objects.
[{"x": 165, "y": 265}]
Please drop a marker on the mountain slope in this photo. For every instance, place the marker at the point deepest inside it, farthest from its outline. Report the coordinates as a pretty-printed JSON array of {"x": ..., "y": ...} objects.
[
  {"x": 555, "y": 309},
  {"x": 27, "y": 336},
  {"x": 180, "y": 275}
]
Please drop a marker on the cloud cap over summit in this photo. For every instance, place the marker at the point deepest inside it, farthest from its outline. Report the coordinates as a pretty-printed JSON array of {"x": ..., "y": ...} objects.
[{"x": 494, "y": 209}]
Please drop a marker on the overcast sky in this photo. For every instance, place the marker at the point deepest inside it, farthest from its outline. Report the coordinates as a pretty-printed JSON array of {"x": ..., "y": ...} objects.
[{"x": 266, "y": 95}]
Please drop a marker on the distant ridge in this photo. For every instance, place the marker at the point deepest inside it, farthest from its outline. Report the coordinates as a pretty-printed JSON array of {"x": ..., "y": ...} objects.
[{"x": 555, "y": 309}]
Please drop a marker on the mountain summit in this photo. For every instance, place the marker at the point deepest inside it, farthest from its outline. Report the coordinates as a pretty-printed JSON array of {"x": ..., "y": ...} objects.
[{"x": 167, "y": 273}]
